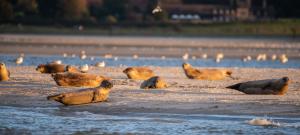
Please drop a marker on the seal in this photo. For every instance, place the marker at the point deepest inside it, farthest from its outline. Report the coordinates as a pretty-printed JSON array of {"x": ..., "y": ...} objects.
[
  {"x": 4, "y": 72},
  {"x": 154, "y": 82},
  {"x": 263, "y": 87},
  {"x": 51, "y": 68},
  {"x": 138, "y": 73},
  {"x": 205, "y": 74},
  {"x": 84, "y": 96},
  {"x": 78, "y": 79}
]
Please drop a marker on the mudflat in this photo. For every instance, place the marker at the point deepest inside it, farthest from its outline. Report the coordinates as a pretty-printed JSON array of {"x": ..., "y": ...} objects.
[{"x": 29, "y": 88}]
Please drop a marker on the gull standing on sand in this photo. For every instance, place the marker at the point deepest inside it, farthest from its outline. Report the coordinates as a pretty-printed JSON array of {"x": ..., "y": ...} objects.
[
  {"x": 116, "y": 58},
  {"x": 284, "y": 58},
  {"x": 274, "y": 57},
  {"x": 83, "y": 56},
  {"x": 84, "y": 68},
  {"x": 108, "y": 56},
  {"x": 135, "y": 56},
  {"x": 261, "y": 57},
  {"x": 185, "y": 56},
  {"x": 247, "y": 58},
  {"x": 65, "y": 55},
  {"x": 19, "y": 60},
  {"x": 219, "y": 57},
  {"x": 92, "y": 58},
  {"x": 100, "y": 64},
  {"x": 204, "y": 56},
  {"x": 57, "y": 62}
]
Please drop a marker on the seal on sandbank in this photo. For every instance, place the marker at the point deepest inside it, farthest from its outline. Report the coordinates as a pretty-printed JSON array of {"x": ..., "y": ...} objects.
[
  {"x": 138, "y": 73},
  {"x": 263, "y": 87},
  {"x": 154, "y": 82},
  {"x": 84, "y": 96},
  {"x": 51, "y": 68},
  {"x": 4, "y": 72},
  {"x": 205, "y": 74},
  {"x": 78, "y": 79}
]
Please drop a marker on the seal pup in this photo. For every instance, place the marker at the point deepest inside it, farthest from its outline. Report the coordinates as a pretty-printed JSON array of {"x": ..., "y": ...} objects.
[
  {"x": 78, "y": 79},
  {"x": 205, "y": 74},
  {"x": 51, "y": 68},
  {"x": 263, "y": 87},
  {"x": 138, "y": 73},
  {"x": 154, "y": 82},
  {"x": 4, "y": 73},
  {"x": 84, "y": 96}
]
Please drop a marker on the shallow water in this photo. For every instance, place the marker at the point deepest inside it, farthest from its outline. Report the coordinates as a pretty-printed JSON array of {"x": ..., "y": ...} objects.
[
  {"x": 33, "y": 60},
  {"x": 52, "y": 120}
]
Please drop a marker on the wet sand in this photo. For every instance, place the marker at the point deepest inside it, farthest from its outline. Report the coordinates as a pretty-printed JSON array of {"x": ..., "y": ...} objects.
[{"x": 28, "y": 88}]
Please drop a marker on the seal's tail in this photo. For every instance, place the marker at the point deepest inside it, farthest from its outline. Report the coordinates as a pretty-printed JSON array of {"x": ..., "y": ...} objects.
[{"x": 55, "y": 97}]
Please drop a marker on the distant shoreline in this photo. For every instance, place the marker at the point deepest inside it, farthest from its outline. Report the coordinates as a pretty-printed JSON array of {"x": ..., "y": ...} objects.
[{"x": 146, "y": 46}]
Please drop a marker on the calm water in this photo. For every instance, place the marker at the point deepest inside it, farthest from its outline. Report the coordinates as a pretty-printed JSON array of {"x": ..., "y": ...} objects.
[
  {"x": 33, "y": 60},
  {"x": 14, "y": 120}
]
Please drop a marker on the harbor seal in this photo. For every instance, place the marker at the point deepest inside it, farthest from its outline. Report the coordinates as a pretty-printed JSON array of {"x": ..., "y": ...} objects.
[
  {"x": 51, "y": 68},
  {"x": 205, "y": 74},
  {"x": 154, "y": 82},
  {"x": 263, "y": 87},
  {"x": 4, "y": 72},
  {"x": 78, "y": 79},
  {"x": 138, "y": 73},
  {"x": 84, "y": 96}
]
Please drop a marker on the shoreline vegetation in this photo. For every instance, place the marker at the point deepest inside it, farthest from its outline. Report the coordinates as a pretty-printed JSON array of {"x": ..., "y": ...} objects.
[{"x": 277, "y": 28}]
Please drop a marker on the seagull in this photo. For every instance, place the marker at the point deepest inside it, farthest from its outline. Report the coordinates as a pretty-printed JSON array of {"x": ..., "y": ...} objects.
[
  {"x": 84, "y": 68},
  {"x": 204, "y": 56},
  {"x": 274, "y": 57},
  {"x": 65, "y": 55},
  {"x": 82, "y": 56},
  {"x": 116, "y": 58},
  {"x": 92, "y": 58},
  {"x": 185, "y": 56},
  {"x": 19, "y": 60},
  {"x": 157, "y": 9},
  {"x": 100, "y": 64},
  {"x": 57, "y": 62},
  {"x": 135, "y": 56},
  {"x": 284, "y": 58},
  {"x": 108, "y": 56}
]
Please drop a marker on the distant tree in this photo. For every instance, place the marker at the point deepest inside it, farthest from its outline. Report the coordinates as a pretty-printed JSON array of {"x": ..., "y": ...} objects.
[
  {"x": 116, "y": 8},
  {"x": 75, "y": 9},
  {"x": 27, "y": 6},
  {"x": 6, "y": 10},
  {"x": 49, "y": 8}
]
